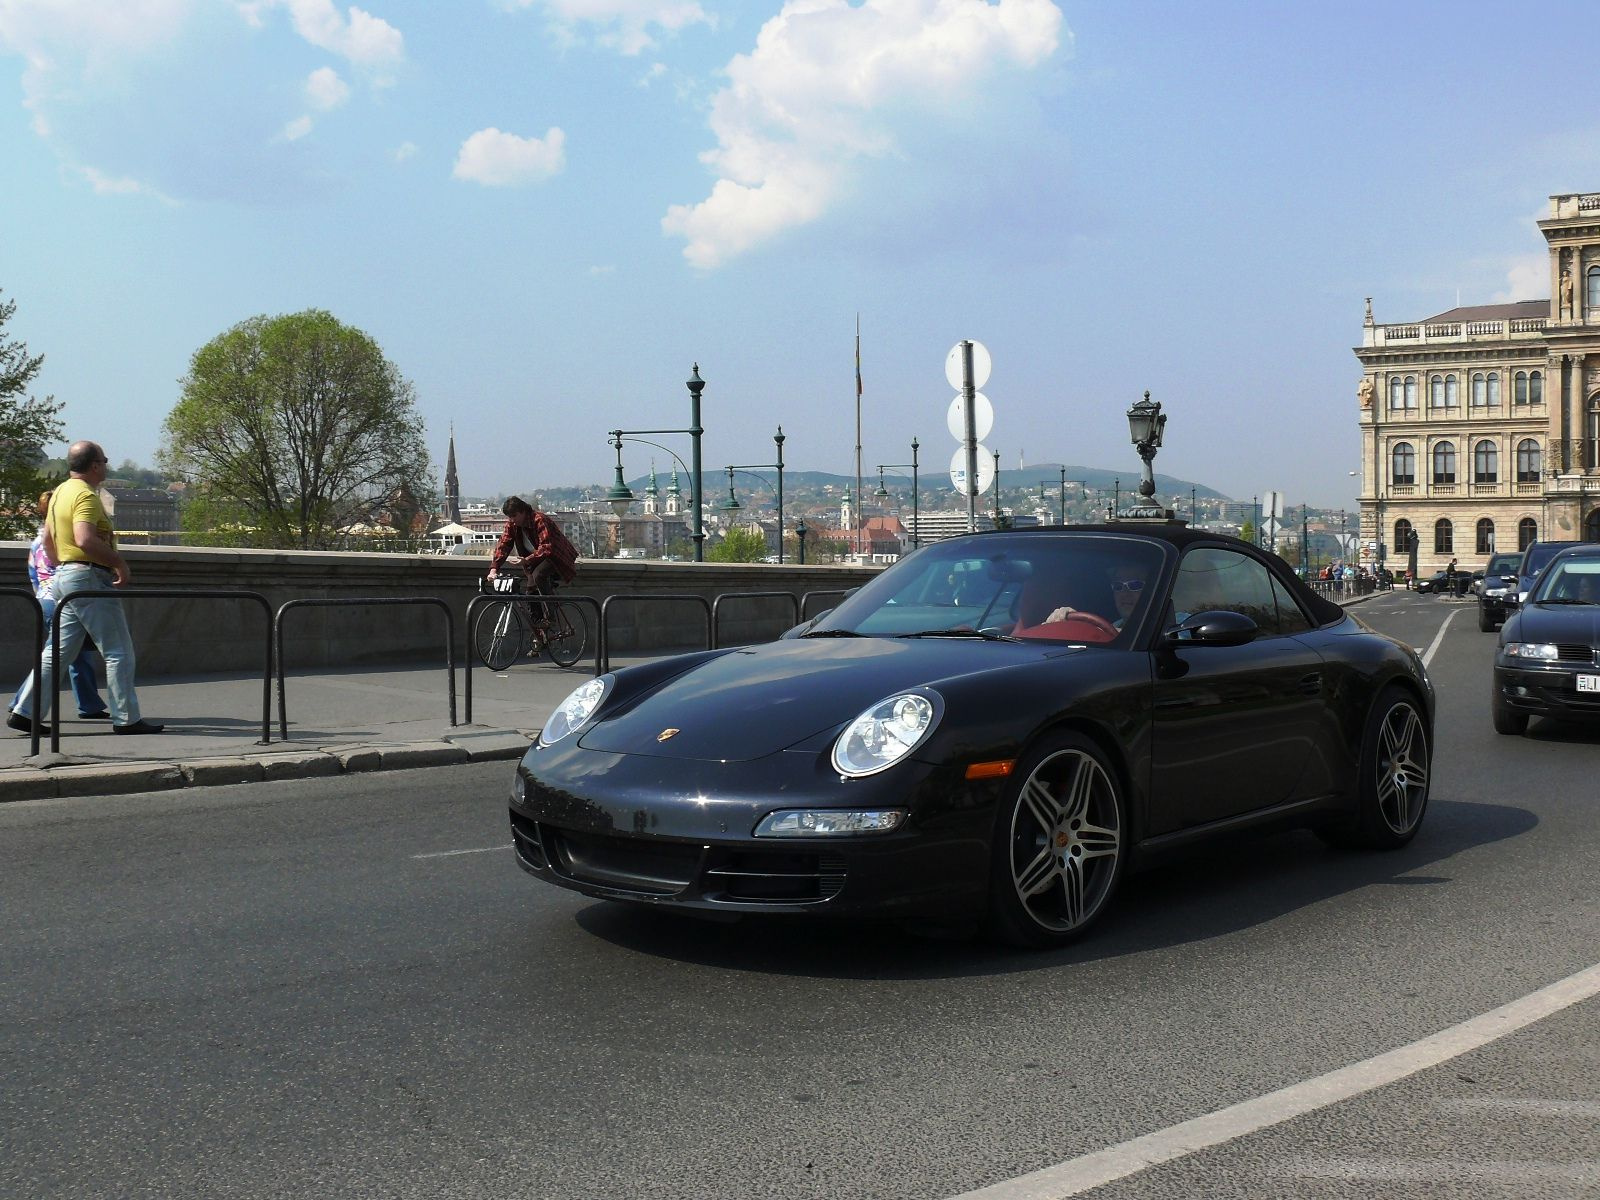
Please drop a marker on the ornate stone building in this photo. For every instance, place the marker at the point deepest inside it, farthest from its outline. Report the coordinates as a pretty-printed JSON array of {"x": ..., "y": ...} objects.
[{"x": 1480, "y": 427}]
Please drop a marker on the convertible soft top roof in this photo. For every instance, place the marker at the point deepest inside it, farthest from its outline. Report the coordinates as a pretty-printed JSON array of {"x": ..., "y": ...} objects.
[{"x": 1182, "y": 536}]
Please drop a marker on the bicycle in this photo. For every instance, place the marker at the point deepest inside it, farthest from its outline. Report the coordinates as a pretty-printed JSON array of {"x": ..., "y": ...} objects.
[{"x": 523, "y": 624}]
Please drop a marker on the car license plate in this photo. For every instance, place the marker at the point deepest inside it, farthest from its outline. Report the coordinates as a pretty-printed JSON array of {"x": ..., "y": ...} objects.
[{"x": 1589, "y": 683}]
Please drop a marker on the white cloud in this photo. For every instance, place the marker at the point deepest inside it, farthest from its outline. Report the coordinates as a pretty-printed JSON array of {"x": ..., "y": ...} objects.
[
  {"x": 656, "y": 71},
  {"x": 365, "y": 40},
  {"x": 1527, "y": 278},
  {"x": 106, "y": 185},
  {"x": 599, "y": 270},
  {"x": 325, "y": 90},
  {"x": 623, "y": 25},
  {"x": 404, "y": 151},
  {"x": 297, "y": 129},
  {"x": 829, "y": 83},
  {"x": 497, "y": 159}
]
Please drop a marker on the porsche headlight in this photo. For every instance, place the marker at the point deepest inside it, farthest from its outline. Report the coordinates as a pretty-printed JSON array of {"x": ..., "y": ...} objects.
[
  {"x": 884, "y": 734},
  {"x": 1538, "y": 651},
  {"x": 575, "y": 710}
]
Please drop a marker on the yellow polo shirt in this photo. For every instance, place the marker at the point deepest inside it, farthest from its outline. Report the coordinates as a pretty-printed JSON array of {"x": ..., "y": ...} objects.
[{"x": 76, "y": 501}]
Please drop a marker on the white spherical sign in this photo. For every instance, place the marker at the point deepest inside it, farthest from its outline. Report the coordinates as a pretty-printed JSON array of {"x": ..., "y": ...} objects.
[
  {"x": 955, "y": 375},
  {"x": 982, "y": 417},
  {"x": 958, "y": 470}
]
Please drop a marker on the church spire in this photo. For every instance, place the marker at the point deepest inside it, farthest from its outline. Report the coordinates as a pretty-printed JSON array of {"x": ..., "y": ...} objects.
[{"x": 452, "y": 485}]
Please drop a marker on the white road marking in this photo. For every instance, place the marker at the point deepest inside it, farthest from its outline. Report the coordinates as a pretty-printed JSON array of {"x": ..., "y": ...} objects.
[
  {"x": 1078, "y": 1175},
  {"x": 451, "y": 853},
  {"x": 1427, "y": 656}
]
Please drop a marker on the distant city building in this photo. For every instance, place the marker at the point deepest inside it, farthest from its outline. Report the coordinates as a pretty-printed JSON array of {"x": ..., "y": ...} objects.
[
  {"x": 1480, "y": 427},
  {"x": 452, "y": 484},
  {"x": 142, "y": 510}
]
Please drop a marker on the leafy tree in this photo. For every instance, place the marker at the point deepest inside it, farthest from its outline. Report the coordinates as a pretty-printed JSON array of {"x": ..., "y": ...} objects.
[
  {"x": 26, "y": 424},
  {"x": 739, "y": 545},
  {"x": 291, "y": 428},
  {"x": 1248, "y": 530}
]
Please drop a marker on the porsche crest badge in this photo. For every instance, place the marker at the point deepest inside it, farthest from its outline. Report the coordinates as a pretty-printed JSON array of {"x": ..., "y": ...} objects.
[{"x": 667, "y": 733}]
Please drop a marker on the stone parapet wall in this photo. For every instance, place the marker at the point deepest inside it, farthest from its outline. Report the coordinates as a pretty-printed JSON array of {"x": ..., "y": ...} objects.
[{"x": 182, "y": 636}]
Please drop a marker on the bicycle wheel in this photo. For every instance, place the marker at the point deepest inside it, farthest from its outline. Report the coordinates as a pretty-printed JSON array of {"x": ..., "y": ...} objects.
[
  {"x": 497, "y": 635},
  {"x": 566, "y": 634}
]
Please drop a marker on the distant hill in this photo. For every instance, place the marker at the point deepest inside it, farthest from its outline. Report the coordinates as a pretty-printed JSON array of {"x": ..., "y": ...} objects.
[{"x": 935, "y": 476}]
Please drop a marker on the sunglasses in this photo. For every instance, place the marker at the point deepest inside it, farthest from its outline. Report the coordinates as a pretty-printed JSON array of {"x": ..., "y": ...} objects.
[{"x": 1127, "y": 585}]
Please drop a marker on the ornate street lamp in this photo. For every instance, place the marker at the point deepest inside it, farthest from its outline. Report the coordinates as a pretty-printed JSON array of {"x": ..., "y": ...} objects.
[
  {"x": 916, "y": 491},
  {"x": 1146, "y": 423},
  {"x": 728, "y": 505},
  {"x": 620, "y": 498},
  {"x": 696, "y": 385},
  {"x": 731, "y": 504}
]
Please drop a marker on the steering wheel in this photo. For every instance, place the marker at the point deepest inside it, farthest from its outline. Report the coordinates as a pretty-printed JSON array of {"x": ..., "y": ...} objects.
[{"x": 1076, "y": 626}]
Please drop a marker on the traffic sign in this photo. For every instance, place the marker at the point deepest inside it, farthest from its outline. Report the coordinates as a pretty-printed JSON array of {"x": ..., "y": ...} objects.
[
  {"x": 953, "y": 370},
  {"x": 958, "y": 470},
  {"x": 982, "y": 417}
]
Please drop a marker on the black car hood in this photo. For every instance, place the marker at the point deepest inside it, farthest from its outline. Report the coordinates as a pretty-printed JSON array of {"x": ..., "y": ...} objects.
[
  {"x": 761, "y": 699},
  {"x": 1575, "y": 624}
]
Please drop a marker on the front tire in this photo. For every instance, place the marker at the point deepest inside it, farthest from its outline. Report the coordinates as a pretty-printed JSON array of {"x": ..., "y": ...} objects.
[
  {"x": 1507, "y": 720},
  {"x": 1394, "y": 776},
  {"x": 497, "y": 635},
  {"x": 1059, "y": 844}
]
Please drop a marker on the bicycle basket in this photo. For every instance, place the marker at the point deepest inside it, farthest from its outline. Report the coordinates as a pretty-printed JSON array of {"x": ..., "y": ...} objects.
[{"x": 502, "y": 584}]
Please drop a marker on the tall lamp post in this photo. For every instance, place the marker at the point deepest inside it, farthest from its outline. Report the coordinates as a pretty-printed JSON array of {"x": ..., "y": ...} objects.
[
  {"x": 916, "y": 494},
  {"x": 730, "y": 504},
  {"x": 1082, "y": 483},
  {"x": 696, "y": 385},
  {"x": 1146, "y": 424}
]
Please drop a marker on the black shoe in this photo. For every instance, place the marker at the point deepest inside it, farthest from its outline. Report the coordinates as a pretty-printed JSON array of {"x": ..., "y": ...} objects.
[
  {"x": 102, "y": 715},
  {"x": 140, "y": 726},
  {"x": 24, "y": 724}
]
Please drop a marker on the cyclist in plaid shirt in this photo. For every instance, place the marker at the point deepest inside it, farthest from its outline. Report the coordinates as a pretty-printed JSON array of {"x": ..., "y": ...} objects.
[{"x": 538, "y": 541}]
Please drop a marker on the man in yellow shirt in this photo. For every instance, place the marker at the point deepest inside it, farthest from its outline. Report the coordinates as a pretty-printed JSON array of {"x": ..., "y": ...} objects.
[{"x": 78, "y": 537}]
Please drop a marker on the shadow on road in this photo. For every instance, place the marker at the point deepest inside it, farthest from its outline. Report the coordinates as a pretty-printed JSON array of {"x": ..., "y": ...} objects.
[{"x": 1224, "y": 889}]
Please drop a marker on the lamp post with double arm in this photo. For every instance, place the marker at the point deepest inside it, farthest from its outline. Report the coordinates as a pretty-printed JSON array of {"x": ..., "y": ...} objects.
[
  {"x": 619, "y": 502},
  {"x": 916, "y": 491},
  {"x": 1082, "y": 483},
  {"x": 731, "y": 503}
]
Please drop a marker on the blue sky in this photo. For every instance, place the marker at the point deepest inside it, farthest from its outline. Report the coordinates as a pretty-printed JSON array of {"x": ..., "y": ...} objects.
[{"x": 546, "y": 210}]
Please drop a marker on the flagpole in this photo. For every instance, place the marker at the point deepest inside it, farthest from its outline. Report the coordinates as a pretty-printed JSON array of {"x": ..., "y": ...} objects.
[{"x": 859, "y": 503}]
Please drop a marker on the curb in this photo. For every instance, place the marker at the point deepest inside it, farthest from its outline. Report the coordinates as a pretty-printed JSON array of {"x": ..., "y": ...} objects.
[{"x": 52, "y": 780}]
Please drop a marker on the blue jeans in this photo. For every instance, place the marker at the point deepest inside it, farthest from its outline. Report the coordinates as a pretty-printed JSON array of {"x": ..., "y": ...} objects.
[
  {"x": 105, "y": 621},
  {"x": 81, "y": 672}
]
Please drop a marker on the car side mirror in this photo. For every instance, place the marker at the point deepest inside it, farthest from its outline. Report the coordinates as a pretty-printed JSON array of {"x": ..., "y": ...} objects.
[{"x": 1216, "y": 627}]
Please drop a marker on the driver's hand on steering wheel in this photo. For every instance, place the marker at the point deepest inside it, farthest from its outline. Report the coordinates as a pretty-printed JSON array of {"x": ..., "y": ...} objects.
[{"x": 1060, "y": 614}]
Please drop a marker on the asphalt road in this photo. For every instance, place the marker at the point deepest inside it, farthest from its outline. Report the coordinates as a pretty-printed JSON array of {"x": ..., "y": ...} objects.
[{"x": 345, "y": 987}]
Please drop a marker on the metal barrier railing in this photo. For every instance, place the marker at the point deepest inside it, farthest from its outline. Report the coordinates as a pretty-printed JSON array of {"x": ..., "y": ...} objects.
[
  {"x": 38, "y": 644},
  {"x": 152, "y": 594},
  {"x": 483, "y": 601},
  {"x": 351, "y": 602},
  {"x": 716, "y": 607},
  {"x": 605, "y": 624},
  {"x": 805, "y": 598}
]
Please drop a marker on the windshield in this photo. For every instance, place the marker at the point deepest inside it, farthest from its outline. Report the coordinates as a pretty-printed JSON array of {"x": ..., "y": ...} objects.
[
  {"x": 1570, "y": 581},
  {"x": 1503, "y": 564},
  {"x": 1065, "y": 588}
]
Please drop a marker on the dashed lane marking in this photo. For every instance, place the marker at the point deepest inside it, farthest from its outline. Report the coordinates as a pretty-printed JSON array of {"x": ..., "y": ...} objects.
[{"x": 1079, "y": 1175}]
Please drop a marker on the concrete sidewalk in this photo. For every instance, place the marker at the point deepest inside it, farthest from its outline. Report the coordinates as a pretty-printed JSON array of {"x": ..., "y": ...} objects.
[{"x": 339, "y": 721}]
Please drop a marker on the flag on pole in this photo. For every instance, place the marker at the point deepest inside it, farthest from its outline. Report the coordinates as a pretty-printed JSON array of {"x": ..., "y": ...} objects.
[{"x": 858, "y": 358}]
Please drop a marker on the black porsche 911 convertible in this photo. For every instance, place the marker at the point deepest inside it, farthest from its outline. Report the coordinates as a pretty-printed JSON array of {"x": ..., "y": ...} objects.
[{"x": 994, "y": 727}]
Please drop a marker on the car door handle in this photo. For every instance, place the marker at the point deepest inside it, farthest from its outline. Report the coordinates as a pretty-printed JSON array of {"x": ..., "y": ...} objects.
[{"x": 1311, "y": 685}]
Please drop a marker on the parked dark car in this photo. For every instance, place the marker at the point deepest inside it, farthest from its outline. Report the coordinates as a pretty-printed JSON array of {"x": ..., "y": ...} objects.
[
  {"x": 1533, "y": 561},
  {"x": 996, "y": 727},
  {"x": 1498, "y": 582},
  {"x": 1548, "y": 660},
  {"x": 1440, "y": 583}
]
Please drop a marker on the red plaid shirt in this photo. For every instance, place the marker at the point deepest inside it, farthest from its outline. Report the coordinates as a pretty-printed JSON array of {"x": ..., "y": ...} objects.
[{"x": 534, "y": 540}]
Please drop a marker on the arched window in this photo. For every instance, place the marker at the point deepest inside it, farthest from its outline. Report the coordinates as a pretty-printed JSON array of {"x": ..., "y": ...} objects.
[
  {"x": 1397, "y": 398},
  {"x": 1444, "y": 462},
  {"x": 1452, "y": 398},
  {"x": 1485, "y": 462},
  {"x": 1519, "y": 388},
  {"x": 1536, "y": 387},
  {"x": 1402, "y": 536},
  {"x": 1592, "y": 278},
  {"x": 1527, "y": 532},
  {"x": 1480, "y": 391},
  {"x": 1444, "y": 538},
  {"x": 1494, "y": 389},
  {"x": 1485, "y": 536},
  {"x": 1591, "y": 526},
  {"x": 1529, "y": 461},
  {"x": 1591, "y": 434},
  {"x": 1411, "y": 392},
  {"x": 1436, "y": 391},
  {"x": 1405, "y": 464}
]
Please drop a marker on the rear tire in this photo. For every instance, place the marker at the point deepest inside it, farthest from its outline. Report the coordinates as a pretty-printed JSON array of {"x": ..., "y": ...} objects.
[
  {"x": 497, "y": 635},
  {"x": 1059, "y": 844},
  {"x": 568, "y": 634}
]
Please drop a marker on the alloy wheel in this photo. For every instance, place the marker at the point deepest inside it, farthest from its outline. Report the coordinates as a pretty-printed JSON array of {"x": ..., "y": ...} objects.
[
  {"x": 1402, "y": 766},
  {"x": 1066, "y": 841}
]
